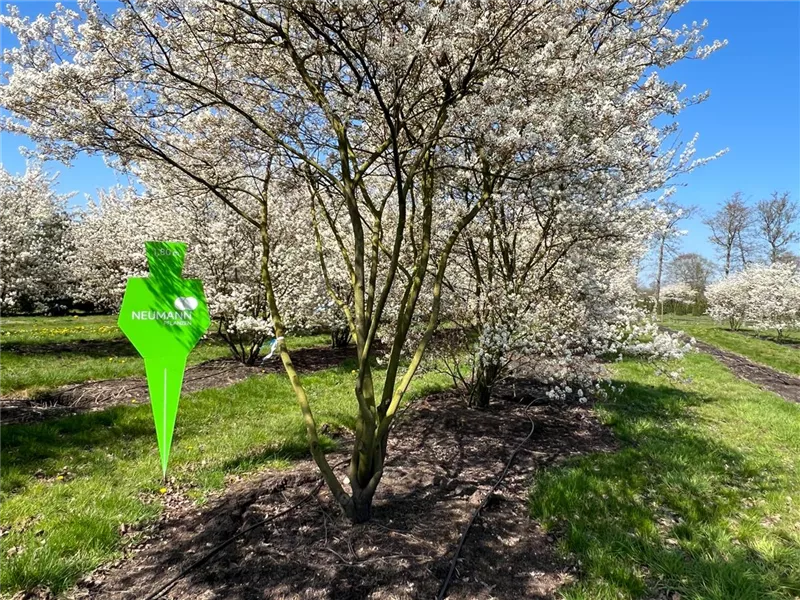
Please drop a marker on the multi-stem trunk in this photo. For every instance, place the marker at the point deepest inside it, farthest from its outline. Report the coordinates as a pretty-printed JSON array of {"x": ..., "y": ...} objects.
[
  {"x": 485, "y": 378},
  {"x": 374, "y": 419},
  {"x": 340, "y": 337}
]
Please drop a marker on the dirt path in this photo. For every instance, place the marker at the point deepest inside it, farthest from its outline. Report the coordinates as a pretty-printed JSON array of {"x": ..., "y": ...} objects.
[
  {"x": 784, "y": 385},
  {"x": 99, "y": 395},
  {"x": 444, "y": 458}
]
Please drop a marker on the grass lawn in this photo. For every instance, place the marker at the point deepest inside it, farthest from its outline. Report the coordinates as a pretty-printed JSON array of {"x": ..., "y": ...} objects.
[
  {"x": 68, "y": 485},
  {"x": 42, "y": 353},
  {"x": 702, "y": 500},
  {"x": 760, "y": 348}
]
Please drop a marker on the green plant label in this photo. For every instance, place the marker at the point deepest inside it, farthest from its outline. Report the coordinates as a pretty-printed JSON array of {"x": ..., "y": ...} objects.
[{"x": 164, "y": 316}]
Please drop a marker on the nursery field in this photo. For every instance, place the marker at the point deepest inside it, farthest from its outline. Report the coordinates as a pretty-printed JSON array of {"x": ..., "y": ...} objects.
[
  {"x": 42, "y": 353},
  {"x": 696, "y": 496},
  {"x": 763, "y": 347},
  {"x": 75, "y": 490},
  {"x": 701, "y": 501},
  {"x": 478, "y": 209}
]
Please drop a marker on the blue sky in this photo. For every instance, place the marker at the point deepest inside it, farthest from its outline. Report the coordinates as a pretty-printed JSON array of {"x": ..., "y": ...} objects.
[{"x": 754, "y": 110}]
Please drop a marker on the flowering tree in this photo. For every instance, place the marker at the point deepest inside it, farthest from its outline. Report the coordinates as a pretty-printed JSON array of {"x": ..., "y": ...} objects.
[
  {"x": 678, "y": 293},
  {"x": 775, "y": 297},
  {"x": 230, "y": 252},
  {"x": 543, "y": 276},
  {"x": 729, "y": 300},
  {"x": 767, "y": 297},
  {"x": 227, "y": 252},
  {"x": 681, "y": 293},
  {"x": 369, "y": 105},
  {"x": 109, "y": 235},
  {"x": 34, "y": 245},
  {"x": 544, "y": 287},
  {"x": 224, "y": 251}
]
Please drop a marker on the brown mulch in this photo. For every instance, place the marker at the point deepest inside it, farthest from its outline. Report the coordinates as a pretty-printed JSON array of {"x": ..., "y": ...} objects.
[
  {"x": 444, "y": 458},
  {"x": 782, "y": 384},
  {"x": 99, "y": 395}
]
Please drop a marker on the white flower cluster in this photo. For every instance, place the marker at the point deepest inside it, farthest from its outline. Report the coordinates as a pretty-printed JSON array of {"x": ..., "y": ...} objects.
[
  {"x": 35, "y": 249},
  {"x": 680, "y": 292},
  {"x": 575, "y": 303},
  {"x": 87, "y": 256},
  {"x": 763, "y": 296}
]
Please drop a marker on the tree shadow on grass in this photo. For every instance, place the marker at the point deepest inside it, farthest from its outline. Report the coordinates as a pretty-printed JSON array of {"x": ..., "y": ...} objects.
[
  {"x": 661, "y": 514},
  {"x": 783, "y": 341},
  {"x": 30, "y": 448}
]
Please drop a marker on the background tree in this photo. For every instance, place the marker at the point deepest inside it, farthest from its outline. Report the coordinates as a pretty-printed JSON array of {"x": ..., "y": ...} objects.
[
  {"x": 729, "y": 300},
  {"x": 678, "y": 294},
  {"x": 774, "y": 297},
  {"x": 666, "y": 240},
  {"x": 731, "y": 232},
  {"x": 776, "y": 220},
  {"x": 224, "y": 251},
  {"x": 694, "y": 271},
  {"x": 763, "y": 296},
  {"x": 35, "y": 249}
]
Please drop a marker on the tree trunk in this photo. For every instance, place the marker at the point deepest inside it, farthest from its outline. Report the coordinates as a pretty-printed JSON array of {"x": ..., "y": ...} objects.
[
  {"x": 340, "y": 337},
  {"x": 485, "y": 379},
  {"x": 359, "y": 509},
  {"x": 659, "y": 273},
  {"x": 742, "y": 252},
  {"x": 482, "y": 394}
]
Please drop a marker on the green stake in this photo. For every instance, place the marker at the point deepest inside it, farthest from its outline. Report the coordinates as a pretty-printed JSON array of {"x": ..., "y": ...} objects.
[{"x": 164, "y": 316}]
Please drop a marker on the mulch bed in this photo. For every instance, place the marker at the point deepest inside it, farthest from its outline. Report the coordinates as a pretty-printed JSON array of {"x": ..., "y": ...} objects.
[
  {"x": 782, "y": 384},
  {"x": 444, "y": 458},
  {"x": 99, "y": 395}
]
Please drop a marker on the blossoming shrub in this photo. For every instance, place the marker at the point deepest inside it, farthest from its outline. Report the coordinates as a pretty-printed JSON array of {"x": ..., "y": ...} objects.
[
  {"x": 763, "y": 296},
  {"x": 35, "y": 251}
]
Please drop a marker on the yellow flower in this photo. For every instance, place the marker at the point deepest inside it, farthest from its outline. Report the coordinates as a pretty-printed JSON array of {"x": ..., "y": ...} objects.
[
  {"x": 134, "y": 401},
  {"x": 60, "y": 477},
  {"x": 162, "y": 491}
]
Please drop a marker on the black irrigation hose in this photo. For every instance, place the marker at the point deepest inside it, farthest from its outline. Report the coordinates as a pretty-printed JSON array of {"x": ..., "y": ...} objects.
[
  {"x": 481, "y": 506},
  {"x": 167, "y": 586}
]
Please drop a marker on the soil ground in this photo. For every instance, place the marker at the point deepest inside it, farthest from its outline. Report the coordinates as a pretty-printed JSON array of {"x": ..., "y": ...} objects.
[
  {"x": 444, "y": 458},
  {"x": 99, "y": 395}
]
